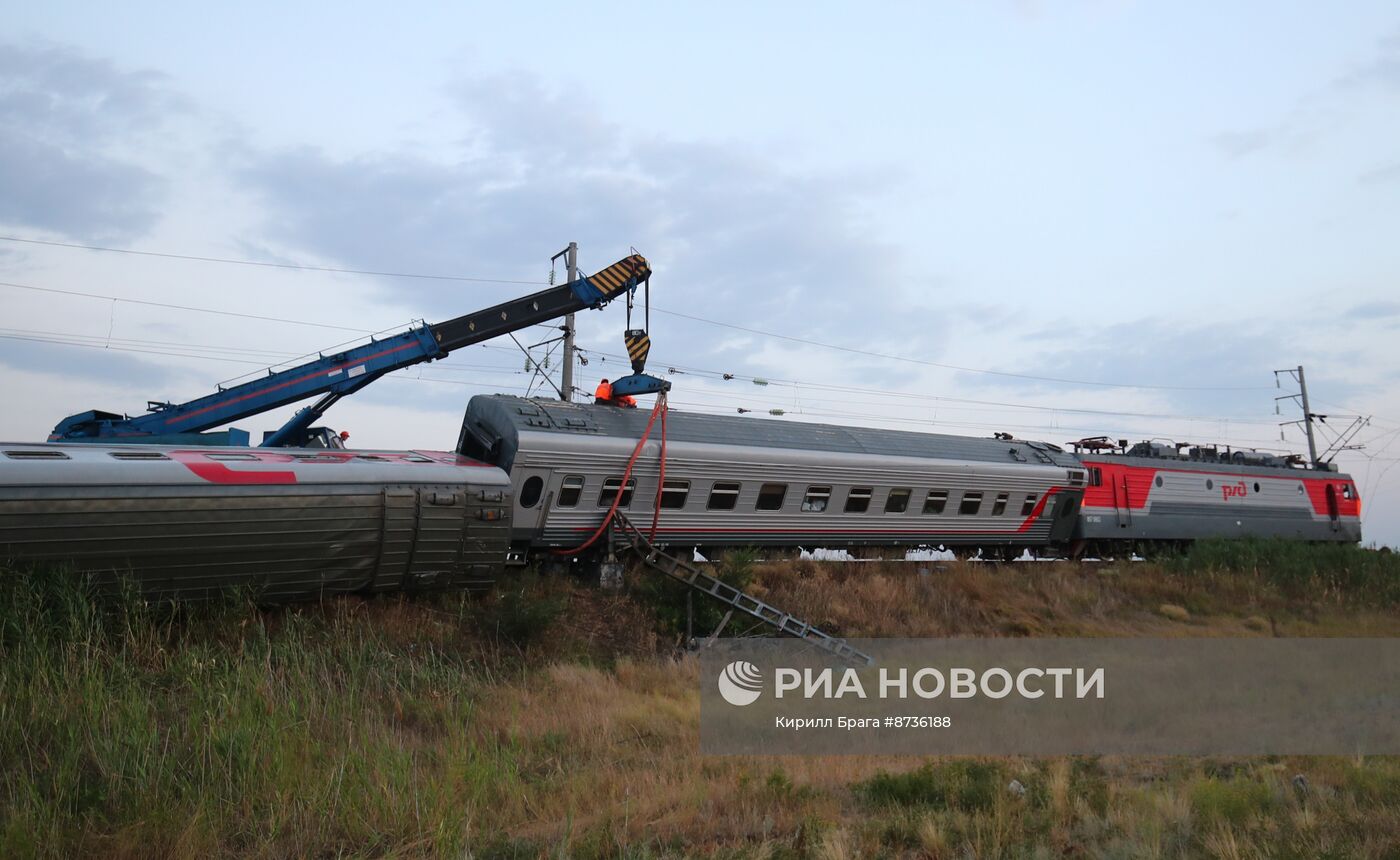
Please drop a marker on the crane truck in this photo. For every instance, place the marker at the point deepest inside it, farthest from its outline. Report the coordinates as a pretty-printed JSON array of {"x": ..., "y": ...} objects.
[{"x": 332, "y": 377}]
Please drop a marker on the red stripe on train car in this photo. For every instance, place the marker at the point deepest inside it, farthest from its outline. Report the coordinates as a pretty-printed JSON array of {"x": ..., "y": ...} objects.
[{"x": 217, "y": 473}]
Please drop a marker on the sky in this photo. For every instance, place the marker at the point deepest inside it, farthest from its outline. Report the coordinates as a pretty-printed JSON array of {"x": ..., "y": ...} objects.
[{"x": 1131, "y": 214}]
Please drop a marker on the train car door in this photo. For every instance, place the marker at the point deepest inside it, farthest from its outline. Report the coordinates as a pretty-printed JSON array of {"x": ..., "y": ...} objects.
[
  {"x": 1121, "y": 506},
  {"x": 532, "y": 498},
  {"x": 1332, "y": 512}
]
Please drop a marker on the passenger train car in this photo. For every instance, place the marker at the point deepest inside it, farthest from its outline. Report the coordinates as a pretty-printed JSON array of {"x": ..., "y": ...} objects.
[
  {"x": 287, "y": 524},
  {"x": 733, "y": 481},
  {"x": 538, "y": 476},
  {"x": 1153, "y": 493}
]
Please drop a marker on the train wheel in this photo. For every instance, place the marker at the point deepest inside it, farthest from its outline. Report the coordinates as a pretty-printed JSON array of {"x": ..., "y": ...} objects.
[{"x": 1000, "y": 554}]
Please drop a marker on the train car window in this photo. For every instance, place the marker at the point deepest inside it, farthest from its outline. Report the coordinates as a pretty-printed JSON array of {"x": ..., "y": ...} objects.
[
  {"x": 1076, "y": 478},
  {"x": 1095, "y": 476},
  {"x": 1210, "y": 485},
  {"x": 724, "y": 495},
  {"x": 816, "y": 499},
  {"x": 336, "y": 458},
  {"x": 1158, "y": 481},
  {"x": 770, "y": 497},
  {"x": 674, "y": 494},
  {"x": 898, "y": 501},
  {"x": 1256, "y": 486},
  {"x": 858, "y": 500},
  {"x": 935, "y": 501},
  {"x": 1028, "y": 506},
  {"x": 1347, "y": 491},
  {"x": 999, "y": 506},
  {"x": 36, "y": 455},
  {"x": 611, "y": 486},
  {"x": 570, "y": 491},
  {"x": 530, "y": 491},
  {"x": 971, "y": 504}
]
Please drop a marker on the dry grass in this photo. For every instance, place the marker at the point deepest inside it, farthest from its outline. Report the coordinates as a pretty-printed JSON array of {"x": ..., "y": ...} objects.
[
  {"x": 419, "y": 728},
  {"x": 862, "y": 599}
]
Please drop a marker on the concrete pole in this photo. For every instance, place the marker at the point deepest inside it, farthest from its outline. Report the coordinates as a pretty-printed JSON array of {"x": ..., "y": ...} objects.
[
  {"x": 1307, "y": 418},
  {"x": 567, "y": 383}
]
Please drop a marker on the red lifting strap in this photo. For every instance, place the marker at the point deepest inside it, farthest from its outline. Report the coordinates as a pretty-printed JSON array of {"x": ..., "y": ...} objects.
[
  {"x": 658, "y": 409},
  {"x": 661, "y": 472}
]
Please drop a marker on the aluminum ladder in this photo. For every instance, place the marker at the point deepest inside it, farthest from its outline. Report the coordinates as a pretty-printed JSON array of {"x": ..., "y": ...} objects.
[{"x": 687, "y": 573}]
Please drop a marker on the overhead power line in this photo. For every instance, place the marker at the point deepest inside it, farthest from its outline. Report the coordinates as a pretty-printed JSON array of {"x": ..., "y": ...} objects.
[
  {"x": 259, "y": 358},
  {"x": 226, "y": 355},
  {"x": 795, "y": 384},
  {"x": 799, "y": 386},
  {"x": 219, "y": 312},
  {"x": 927, "y": 363},
  {"x": 722, "y": 324},
  {"x": 266, "y": 265},
  {"x": 133, "y": 346},
  {"x": 179, "y": 307},
  {"x": 944, "y": 425}
]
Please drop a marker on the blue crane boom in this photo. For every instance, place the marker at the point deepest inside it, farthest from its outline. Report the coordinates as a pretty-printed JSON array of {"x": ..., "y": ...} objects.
[{"x": 337, "y": 375}]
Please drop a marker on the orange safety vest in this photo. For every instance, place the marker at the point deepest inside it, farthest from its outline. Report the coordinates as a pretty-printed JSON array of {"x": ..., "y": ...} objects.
[
  {"x": 627, "y": 400},
  {"x": 604, "y": 391}
]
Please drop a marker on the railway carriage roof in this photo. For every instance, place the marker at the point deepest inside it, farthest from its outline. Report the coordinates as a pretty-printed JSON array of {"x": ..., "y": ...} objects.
[{"x": 507, "y": 416}]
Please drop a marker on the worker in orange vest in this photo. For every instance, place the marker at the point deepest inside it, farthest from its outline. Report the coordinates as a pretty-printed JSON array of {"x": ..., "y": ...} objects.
[
  {"x": 603, "y": 395},
  {"x": 626, "y": 400}
]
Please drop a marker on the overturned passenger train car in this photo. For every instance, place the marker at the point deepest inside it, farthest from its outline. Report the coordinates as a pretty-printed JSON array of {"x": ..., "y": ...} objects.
[{"x": 283, "y": 524}]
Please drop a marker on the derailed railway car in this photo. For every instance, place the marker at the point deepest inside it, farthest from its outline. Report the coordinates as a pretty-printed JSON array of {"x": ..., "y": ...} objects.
[
  {"x": 1153, "y": 494},
  {"x": 285, "y": 524},
  {"x": 534, "y": 477},
  {"x": 731, "y": 481}
]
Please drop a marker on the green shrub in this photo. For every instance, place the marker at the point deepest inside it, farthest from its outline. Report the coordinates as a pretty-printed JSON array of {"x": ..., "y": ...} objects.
[
  {"x": 967, "y": 785},
  {"x": 1088, "y": 782},
  {"x": 1233, "y": 801},
  {"x": 1372, "y": 784},
  {"x": 1299, "y": 569},
  {"x": 523, "y": 610},
  {"x": 668, "y": 597}
]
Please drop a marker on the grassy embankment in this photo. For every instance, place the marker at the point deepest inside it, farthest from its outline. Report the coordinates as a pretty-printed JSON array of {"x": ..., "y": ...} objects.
[{"x": 552, "y": 720}]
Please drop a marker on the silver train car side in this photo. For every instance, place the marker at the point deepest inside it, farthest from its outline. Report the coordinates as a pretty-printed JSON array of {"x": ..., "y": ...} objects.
[
  {"x": 734, "y": 481},
  {"x": 189, "y": 522}
]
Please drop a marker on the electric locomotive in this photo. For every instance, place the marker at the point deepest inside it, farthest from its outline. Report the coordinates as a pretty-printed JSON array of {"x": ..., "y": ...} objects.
[{"x": 1152, "y": 494}]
